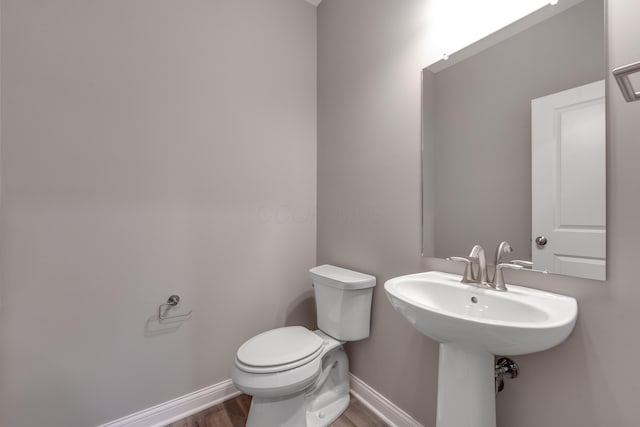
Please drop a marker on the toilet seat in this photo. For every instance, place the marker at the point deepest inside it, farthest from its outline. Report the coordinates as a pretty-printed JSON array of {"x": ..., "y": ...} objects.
[
  {"x": 279, "y": 362},
  {"x": 279, "y": 350}
]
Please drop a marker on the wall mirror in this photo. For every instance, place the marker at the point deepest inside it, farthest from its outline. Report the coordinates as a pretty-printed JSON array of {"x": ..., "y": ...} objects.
[{"x": 514, "y": 143}]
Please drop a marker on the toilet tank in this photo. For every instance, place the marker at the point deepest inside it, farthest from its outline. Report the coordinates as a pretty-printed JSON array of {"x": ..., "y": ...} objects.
[{"x": 343, "y": 301}]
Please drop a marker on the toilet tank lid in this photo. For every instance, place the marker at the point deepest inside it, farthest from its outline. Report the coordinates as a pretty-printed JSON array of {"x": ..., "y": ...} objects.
[{"x": 341, "y": 278}]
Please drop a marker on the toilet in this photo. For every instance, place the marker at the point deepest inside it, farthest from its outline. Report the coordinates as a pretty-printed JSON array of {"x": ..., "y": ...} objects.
[{"x": 299, "y": 377}]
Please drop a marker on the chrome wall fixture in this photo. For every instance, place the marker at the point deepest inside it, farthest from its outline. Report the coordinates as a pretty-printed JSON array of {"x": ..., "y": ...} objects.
[
  {"x": 622, "y": 77},
  {"x": 173, "y": 301}
]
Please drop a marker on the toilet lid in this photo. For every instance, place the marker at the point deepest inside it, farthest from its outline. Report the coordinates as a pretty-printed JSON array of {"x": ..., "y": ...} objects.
[{"x": 279, "y": 347}]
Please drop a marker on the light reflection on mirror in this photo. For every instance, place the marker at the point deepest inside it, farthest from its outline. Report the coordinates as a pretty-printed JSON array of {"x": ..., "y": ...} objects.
[
  {"x": 477, "y": 145},
  {"x": 453, "y": 25}
]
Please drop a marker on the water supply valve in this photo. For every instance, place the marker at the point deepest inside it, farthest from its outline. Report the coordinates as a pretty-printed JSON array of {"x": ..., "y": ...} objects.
[{"x": 505, "y": 368}]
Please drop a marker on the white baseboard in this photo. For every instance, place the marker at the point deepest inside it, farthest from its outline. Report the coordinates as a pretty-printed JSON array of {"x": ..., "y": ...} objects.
[
  {"x": 176, "y": 409},
  {"x": 380, "y": 405},
  {"x": 189, "y": 404}
]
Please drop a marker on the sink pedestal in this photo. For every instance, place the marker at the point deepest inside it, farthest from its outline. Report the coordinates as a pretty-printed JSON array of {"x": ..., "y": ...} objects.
[{"x": 466, "y": 387}]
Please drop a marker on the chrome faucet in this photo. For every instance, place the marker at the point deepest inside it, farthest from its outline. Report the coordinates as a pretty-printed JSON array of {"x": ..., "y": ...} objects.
[
  {"x": 477, "y": 252},
  {"x": 503, "y": 248},
  {"x": 477, "y": 255},
  {"x": 469, "y": 276}
]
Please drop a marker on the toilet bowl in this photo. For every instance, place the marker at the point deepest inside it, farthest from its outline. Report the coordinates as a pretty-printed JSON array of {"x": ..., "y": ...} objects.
[{"x": 299, "y": 377}]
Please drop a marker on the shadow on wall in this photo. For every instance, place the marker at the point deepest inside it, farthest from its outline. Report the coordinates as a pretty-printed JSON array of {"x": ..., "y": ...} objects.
[
  {"x": 302, "y": 312},
  {"x": 154, "y": 326}
]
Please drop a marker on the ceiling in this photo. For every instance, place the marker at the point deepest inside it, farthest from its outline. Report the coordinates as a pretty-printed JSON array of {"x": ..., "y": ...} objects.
[{"x": 313, "y": 2}]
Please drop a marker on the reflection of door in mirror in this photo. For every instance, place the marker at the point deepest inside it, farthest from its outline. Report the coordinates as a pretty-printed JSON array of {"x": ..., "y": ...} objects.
[{"x": 568, "y": 181}]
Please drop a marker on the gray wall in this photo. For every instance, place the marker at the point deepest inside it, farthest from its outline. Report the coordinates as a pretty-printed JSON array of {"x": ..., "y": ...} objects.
[
  {"x": 148, "y": 147},
  {"x": 482, "y": 156},
  {"x": 369, "y": 213},
  {"x": 369, "y": 219}
]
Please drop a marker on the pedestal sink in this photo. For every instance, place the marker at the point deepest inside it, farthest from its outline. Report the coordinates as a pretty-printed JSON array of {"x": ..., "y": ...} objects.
[{"x": 472, "y": 325}]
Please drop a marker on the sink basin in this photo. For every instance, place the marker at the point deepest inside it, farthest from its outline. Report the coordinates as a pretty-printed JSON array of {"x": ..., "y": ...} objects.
[
  {"x": 472, "y": 325},
  {"x": 519, "y": 321}
]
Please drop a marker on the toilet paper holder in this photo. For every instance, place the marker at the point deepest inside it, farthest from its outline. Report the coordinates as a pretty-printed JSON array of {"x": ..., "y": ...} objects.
[{"x": 173, "y": 301}]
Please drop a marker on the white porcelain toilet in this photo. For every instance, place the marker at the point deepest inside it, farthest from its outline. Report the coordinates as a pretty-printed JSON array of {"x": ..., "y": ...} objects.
[{"x": 299, "y": 377}]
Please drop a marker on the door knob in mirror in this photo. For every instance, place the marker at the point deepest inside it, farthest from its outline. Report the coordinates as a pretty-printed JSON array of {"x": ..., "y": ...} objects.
[{"x": 541, "y": 240}]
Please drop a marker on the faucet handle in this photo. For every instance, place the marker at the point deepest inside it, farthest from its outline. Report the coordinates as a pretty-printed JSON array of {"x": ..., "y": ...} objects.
[
  {"x": 525, "y": 264},
  {"x": 498, "y": 281},
  {"x": 467, "y": 276},
  {"x": 511, "y": 265}
]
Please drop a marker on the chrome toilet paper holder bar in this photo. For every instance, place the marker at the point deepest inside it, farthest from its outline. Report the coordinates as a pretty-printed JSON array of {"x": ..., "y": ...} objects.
[
  {"x": 622, "y": 77},
  {"x": 173, "y": 301}
]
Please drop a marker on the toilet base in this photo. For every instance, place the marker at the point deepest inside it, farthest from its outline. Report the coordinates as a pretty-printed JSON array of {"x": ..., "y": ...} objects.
[
  {"x": 292, "y": 412},
  {"x": 289, "y": 411},
  {"x": 325, "y": 416},
  {"x": 318, "y": 406}
]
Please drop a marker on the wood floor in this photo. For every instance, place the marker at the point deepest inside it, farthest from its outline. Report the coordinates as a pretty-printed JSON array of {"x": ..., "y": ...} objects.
[{"x": 233, "y": 413}]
